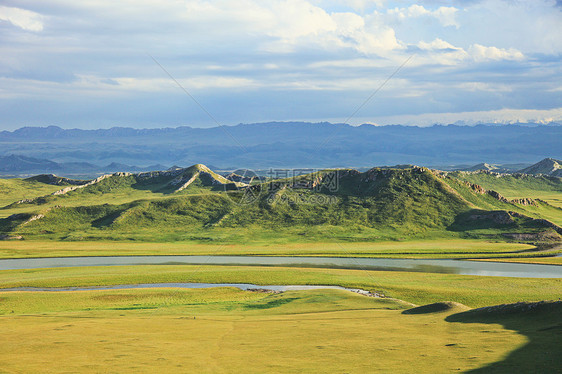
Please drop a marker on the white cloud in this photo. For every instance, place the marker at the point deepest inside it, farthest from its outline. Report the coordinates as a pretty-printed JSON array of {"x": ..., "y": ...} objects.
[
  {"x": 482, "y": 53},
  {"x": 279, "y": 48},
  {"x": 481, "y": 86},
  {"x": 22, "y": 18},
  {"x": 445, "y": 15},
  {"x": 294, "y": 25},
  {"x": 436, "y": 44},
  {"x": 506, "y": 115},
  {"x": 529, "y": 26},
  {"x": 441, "y": 52}
]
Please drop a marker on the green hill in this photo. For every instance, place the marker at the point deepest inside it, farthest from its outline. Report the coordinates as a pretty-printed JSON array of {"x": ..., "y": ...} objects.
[
  {"x": 548, "y": 166},
  {"x": 120, "y": 187},
  {"x": 197, "y": 204},
  {"x": 517, "y": 186}
]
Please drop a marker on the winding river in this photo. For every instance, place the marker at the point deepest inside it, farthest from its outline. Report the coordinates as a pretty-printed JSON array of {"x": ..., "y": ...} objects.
[{"x": 464, "y": 267}]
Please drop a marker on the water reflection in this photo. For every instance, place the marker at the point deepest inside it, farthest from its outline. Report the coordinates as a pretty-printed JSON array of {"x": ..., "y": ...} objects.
[{"x": 413, "y": 265}]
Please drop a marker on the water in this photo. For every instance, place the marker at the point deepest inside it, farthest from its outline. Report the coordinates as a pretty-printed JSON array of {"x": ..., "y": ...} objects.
[{"x": 495, "y": 269}]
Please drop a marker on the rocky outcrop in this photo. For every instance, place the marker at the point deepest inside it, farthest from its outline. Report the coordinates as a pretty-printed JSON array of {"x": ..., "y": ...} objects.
[
  {"x": 90, "y": 183},
  {"x": 525, "y": 201},
  {"x": 500, "y": 217},
  {"x": 11, "y": 237},
  {"x": 498, "y": 196}
]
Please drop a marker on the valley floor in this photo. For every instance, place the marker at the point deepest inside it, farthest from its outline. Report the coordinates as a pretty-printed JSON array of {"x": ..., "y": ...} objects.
[{"x": 232, "y": 331}]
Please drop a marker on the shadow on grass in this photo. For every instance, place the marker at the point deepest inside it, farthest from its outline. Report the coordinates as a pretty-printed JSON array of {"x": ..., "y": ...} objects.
[
  {"x": 540, "y": 322},
  {"x": 270, "y": 304}
]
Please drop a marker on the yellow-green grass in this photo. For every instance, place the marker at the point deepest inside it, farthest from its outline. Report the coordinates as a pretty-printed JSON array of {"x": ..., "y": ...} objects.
[
  {"x": 232, "y": 331},
  {"x": 283, "y": 337},
  {"x": 72, "y": 200},
  {"x": 548, "y": 189},
  {"x": 551, "y": 212},
  {"x": 553, "y": 198},
  {"x": 446, "y": 248},
  {"x": 12, "y": 190},
  {"x": 215, "y": 301},
  {"x": 417, "y": 288}
]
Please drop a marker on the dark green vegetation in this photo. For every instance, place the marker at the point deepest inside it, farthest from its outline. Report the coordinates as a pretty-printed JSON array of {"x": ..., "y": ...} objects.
[{"x": 198, "y": 205}]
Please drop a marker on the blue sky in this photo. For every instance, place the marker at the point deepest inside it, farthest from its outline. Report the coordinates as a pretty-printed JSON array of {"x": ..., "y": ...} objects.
[{"x": 87, "y": 64}]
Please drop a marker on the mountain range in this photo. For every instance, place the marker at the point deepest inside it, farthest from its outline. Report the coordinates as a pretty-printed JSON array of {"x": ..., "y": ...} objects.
[
  {"x": 287, "y": 145},
  {"x": 18, "y": 164},
  {"x": 196, "y": 203}
]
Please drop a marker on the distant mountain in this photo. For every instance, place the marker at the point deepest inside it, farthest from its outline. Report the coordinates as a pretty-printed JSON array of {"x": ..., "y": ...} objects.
[
  {"x": 481, "y": 166},
  {"x": 118, "y": 167},
  {"x": 18, "y": 164},
  {"x": 289, "y": 145},
  {"x": 548, "y": 166}
]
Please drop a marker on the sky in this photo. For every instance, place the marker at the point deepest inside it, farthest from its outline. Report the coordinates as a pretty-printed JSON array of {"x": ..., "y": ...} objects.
[{"x": 97, "y": 64}]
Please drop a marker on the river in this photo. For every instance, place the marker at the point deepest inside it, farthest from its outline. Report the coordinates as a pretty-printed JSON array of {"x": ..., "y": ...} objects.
[{"x": 464, "y": 267}]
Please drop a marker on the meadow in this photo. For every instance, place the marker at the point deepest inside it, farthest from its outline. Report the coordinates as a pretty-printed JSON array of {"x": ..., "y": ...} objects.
[
  {"x": 443, "y": 248},
  {"x": 231, "y": 331},
  {"x": 413, "y": 287},
  {"x": 518, "y": 186},
  {"x": 393, "y": 214}
]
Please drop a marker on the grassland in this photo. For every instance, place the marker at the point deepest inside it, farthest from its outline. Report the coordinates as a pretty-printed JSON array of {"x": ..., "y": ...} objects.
[
  {"x": 411, "y": 213},
  {"x": 444, "y": 248},
  {"x": 518, "y": 186},
  {"x": 232, "y": 331},
  {"x": 378, "y": 205},
  {"x": 417, "y": 288},
  {"x": 16, "y": 189}
]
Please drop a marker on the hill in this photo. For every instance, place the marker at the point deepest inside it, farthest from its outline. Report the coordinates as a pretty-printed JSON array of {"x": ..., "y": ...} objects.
[
  {"x": 517, "y": 185},
  {"x": 347, "y": 205},
  {"x": 548, "y": 166},
  {"x": 481, "y": 166}
]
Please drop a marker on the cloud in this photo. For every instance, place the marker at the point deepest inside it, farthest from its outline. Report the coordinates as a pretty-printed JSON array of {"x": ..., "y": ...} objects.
[
  {"x": 24, "y": 19},
  {"x": 481, "y": 86},
  {"x": 445, "y": 15},
  {"x": 505, "y": 115},
  {"x": 481, "y": 53},
  {"x": 312, "y": 58},
  {"x": 295, "y": 25}
]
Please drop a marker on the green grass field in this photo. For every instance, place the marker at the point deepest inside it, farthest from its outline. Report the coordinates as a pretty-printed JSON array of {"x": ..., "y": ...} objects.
[
  {"x": 12, "y": 190},
  {"x": 382, "y": 213},
  {"x": 451, "y": 248},
  {"x": 413, "y": 287},
  {"x": 378, "y": 205},
  {"x": 518, "y": 186},
  {"x": 232, "y": 331}
]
